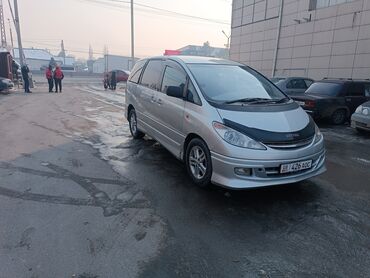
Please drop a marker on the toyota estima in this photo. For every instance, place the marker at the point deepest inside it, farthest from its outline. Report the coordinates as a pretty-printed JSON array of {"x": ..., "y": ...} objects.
[{"x": 228, "y": 123}]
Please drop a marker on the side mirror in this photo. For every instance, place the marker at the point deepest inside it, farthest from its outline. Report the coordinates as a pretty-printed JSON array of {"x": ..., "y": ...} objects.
[{"x": 174, "y": 91}]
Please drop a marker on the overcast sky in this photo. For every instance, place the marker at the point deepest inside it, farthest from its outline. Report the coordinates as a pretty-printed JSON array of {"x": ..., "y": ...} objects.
[{"x": 44, "y": 23}]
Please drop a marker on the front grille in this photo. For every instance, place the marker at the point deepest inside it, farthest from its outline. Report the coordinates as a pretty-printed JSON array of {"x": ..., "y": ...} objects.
[
  {"x": 290, "y": 145},
  {"x": 361, "y": 124}
]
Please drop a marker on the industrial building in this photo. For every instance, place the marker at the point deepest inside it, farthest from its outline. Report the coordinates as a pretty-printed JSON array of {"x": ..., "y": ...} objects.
[
  {"x": 112, "y": 62},
  {"x": 313, "y": 38},
  {"x": 39, "y": 58}
]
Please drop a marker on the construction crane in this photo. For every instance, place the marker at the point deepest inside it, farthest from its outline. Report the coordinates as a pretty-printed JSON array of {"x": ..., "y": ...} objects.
[{"x": 2, "y": 26}]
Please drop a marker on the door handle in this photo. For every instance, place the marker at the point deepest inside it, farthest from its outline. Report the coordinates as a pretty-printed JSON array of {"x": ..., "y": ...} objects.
[{"x": 348, "y": 99}]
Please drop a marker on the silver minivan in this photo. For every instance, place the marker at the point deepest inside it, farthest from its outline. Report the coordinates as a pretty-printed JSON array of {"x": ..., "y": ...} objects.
[{"x": 227, "y": 122}]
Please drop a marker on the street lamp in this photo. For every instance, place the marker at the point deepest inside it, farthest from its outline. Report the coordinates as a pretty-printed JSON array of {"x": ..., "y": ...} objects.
[{"x": 228, "y": 39}]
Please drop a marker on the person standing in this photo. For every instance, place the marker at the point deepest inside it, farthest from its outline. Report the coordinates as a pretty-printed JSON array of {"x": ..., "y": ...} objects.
[
  {"x": 26, "y": 79},
  {"x": 113, "y": 81},
  {"x": 58, "y": 77},
  {"x": 49, "y": 77}
]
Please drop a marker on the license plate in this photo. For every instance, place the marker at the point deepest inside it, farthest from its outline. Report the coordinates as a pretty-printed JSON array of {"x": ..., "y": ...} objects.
[
  {"x": 301, "y": 103},
  {"x": 295, "y": 167}
]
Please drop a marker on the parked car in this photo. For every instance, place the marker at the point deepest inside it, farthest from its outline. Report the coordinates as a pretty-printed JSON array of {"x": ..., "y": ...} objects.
[
  {"x": 334, "y": 99},
  {"x": 293, "y": 85},
  {"x": 121, "y": 75},
  {"x": 5, "y": 85},
  {"x": 228, "y": 123},
  {"x": 360, "y": 120}
]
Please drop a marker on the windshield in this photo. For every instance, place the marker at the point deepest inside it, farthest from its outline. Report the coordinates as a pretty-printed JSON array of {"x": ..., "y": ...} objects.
[
  {"x": 230, "y": 83},
  {"x": 324, "y": 89}
]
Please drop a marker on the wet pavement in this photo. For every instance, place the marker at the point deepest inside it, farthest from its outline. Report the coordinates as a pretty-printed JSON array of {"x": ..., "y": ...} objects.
[{"x": 80, "y": 198}]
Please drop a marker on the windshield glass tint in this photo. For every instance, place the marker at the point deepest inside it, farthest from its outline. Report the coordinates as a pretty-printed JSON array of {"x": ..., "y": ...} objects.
[
  {"x": 324, "y": 88},
  {"x": 225, "y": 83}
]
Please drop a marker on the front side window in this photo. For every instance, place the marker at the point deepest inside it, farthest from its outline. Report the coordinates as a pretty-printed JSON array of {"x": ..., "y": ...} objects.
[
  {"x": 192, "y": 95},
  {"x": 152, "y": 74},
  {"x": 296, "y": 84},
  {"x": 308, "y": 82},
  {"x": 229, "y": 83},
  {"x": 136, "y": 71},
  {"x": 173, "y": 78},
  {"x": 367, "y": 90}
]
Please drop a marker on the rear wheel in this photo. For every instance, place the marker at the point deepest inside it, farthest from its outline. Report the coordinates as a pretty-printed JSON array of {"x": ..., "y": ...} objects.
[
  {"x": 338, "y": 117},
  {"x": 198, "y": 162},
  {"x": 132, "y": 119}
]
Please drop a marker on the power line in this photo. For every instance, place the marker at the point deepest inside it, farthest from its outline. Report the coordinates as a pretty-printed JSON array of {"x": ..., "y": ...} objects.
[{"x": 158, "y": 11}]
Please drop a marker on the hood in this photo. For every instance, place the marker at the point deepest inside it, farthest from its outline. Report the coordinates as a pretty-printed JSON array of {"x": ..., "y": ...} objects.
[{"x": 285, "y": 126}]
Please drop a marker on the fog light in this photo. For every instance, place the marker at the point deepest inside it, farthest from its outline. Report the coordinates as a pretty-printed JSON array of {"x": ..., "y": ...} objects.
[{"x": 243, "y": 171}]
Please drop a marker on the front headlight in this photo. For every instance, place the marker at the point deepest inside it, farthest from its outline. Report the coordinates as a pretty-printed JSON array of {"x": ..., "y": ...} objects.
[
  {"x": 236, "y": 138},
  {"x": 365, "y": 111},
  {"x": 359, "y": 109},
  {"x": 318, "y": 134}
]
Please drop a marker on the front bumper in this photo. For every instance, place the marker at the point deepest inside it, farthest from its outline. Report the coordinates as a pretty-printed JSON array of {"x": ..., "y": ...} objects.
[
  {"x": 360, "y": 121},
  {"x": 264, "y": 172}
]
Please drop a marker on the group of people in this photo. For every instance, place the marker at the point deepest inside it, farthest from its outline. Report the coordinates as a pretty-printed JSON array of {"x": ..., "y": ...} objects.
[
  {"x": 54, "y": 77},
  {"x": 110, "y": 80}
]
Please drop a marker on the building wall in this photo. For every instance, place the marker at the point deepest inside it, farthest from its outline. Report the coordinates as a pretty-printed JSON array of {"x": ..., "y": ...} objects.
[
  {"x": 324, "y": 42},
  {"x": 35, "y": 64}
]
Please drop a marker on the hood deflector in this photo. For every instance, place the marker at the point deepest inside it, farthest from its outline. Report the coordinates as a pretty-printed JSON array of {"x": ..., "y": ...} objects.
[{"x": 271, "y": 137}]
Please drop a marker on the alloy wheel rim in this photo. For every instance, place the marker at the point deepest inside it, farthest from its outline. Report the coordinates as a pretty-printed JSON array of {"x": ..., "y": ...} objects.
[
  {"x": 338, "y": 117},
  {"x": 133, "y": 123},
  {"x": 198, "y": 162}
]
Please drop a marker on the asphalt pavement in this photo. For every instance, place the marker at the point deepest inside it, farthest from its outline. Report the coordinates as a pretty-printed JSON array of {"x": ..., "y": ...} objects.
[{"x": 80, "y": 198}]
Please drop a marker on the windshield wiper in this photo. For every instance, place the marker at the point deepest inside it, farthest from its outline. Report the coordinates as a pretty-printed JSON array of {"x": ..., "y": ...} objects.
[
  {"x": 247, "y": 100},
  {"x": 258, "y": 100}
]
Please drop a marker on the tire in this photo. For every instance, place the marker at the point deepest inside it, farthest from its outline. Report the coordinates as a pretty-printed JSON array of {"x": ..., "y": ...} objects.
[
  {"x": 339, "y": 117},
  {"x": 198, "y": 162},
  {"x": 132, "y": 120}
]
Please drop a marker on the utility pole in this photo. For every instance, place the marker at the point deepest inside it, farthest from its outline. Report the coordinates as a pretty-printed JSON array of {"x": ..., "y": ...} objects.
[
  {"x": 132, "y": 35},
  {"x": 18, "y": 29},
  {"x": 2, "y": 26},
  {"x": 227, "y": 45},
  {"x": 11, "y": 36}
]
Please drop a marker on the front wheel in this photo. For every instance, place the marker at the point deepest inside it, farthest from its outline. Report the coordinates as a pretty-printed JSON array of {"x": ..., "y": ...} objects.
[
  {"x": 132, "y": 119},
  {"x": 198, "y": 162}
]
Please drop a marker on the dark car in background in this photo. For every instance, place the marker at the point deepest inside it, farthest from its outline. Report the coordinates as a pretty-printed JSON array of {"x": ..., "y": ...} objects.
[
  {"x": 5, "y": 85},
  {"x": 334, "y": 99},
  {"x": 293, "y": 85}
]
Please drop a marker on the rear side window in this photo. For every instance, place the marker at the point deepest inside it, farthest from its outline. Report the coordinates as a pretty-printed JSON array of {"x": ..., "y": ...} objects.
[
  {"x": 173, "y": 78},
  {"x": 136, "y": 71},
  {"x": 152, "y": 74},
  {"x": 296, "y": 84},
  {"x": 355, "y": 90}
]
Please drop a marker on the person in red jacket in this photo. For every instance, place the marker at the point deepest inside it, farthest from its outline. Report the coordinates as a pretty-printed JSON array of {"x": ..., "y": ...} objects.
[
  {"x": 49, "y": 77},
  {"x": 58, "y": 77}
]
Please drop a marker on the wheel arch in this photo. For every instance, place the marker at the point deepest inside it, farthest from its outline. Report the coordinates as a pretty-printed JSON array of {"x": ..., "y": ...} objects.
[{"x": 188, "y": 139}]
